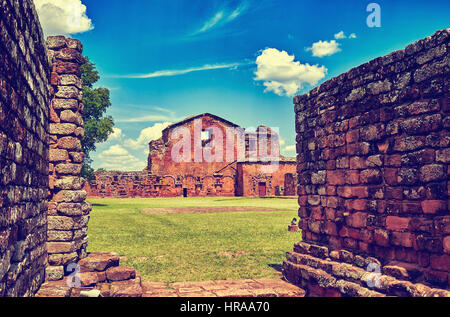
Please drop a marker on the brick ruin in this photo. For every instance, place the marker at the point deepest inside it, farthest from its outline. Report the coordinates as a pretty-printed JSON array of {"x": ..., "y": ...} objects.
[
  {"x": 68, "y": 212},
  {"x": 374, "y": 185},
  {"x": 43, "y": 219},
  {"x": 373, "y": 173},
  {"x": 165, "y": 177},
  {"x": 24, "y": 99}
]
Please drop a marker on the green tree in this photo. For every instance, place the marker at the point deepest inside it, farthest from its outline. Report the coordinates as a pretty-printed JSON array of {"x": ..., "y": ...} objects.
[{"x": 97, "y": 126}]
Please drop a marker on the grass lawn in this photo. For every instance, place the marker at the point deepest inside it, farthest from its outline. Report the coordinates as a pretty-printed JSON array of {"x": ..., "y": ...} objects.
[{"x": 194, "y": 247}]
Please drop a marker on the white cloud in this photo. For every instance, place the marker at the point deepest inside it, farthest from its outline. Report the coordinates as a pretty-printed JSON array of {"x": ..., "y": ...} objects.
[
  {"x": 211, "y": 22},
  {"x": 238, "y": 11},
  {"x": 117, "y": 158},
  {"x": 324, "y": 48},
  {"x": 63, "y": 17},
  {"x": 284, "y": 76},
  {"x": 339, "y": 36},
  {"x": 147, "y": 135},
  {"x": 117, "y": 135},
  {"x": 176, "y": 72},
  {"x": 290, "y": 148},
  {"x": 222, "y": 17}
]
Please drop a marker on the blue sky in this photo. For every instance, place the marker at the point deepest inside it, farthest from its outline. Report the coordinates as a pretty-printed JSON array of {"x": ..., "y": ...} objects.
[{"x": 242, "y": 60}]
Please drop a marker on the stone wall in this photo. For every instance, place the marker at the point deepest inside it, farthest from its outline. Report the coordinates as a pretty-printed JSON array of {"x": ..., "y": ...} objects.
[
  {"x": 145, "y": 184},
  {"x": 68, "y": 213},
  {"x": 373, "y": 166},
  {"x": 233, "y": 171},
  {"x": 244, "y": 181},
  {"x": 24, "y": 112},
  {"x": 252, "y": 182}
]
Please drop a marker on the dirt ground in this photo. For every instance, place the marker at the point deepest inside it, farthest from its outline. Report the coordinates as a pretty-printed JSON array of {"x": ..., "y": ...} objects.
[{"x": 167, "y": 211}]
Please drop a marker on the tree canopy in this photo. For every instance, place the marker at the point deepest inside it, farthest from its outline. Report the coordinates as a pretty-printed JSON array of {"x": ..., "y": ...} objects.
[{"x": 97, "y": 125}]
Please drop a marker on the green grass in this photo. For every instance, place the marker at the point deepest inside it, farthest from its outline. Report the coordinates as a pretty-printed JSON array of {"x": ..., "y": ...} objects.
[{"x": 194, "y": 247}]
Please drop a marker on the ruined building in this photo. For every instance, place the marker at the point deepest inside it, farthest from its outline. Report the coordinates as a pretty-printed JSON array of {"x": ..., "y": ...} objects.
[
  {"x": 206, "y": 155},
  {"x": 373, "y": 171},
  {"x": 374, "y": 177}
]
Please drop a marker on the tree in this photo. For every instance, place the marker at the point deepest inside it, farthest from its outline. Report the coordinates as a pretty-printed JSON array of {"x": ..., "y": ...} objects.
[{"x": 97, "y": 126}]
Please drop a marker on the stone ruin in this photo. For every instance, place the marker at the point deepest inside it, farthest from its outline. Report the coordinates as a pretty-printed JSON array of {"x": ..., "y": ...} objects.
[
  {"x": 68, "y": 212},
  {"x": 373, "y": 173},
  {"x": 44, "y": 216},
  {"x": 222, "y": 177},
  {"x": 24, "y": 123},
  {"x": 373, "y": 163}
]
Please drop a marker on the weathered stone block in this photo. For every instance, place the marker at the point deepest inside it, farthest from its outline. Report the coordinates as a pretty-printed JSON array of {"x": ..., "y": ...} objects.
[
  {"x": 98, "y": 262},
  {"x": 69, "y": 143},
  {"x": 70, "y": 209},
  {"x": 397, "y": 223},
  {"x": 60, "y": 247},
  {"x": 71, "y": 104},
  {"x": 58, "y": 155},
  {"x": 68, "y": 169},
  {"x": 432, "y": 172},
  {"x": 70, "y": 183},
  {"x": 54, "y": 273},
  {"x": 62, "y": 128},
  {"x": 120, "y": 273}
]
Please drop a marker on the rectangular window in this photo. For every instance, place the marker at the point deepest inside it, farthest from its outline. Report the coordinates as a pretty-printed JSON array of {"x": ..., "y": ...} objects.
[{"x": 206, "y": 137}]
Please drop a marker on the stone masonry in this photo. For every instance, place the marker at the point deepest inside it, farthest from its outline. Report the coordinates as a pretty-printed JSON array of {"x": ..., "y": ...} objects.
[
  {"x": 228, "y": 174},
  {"x": 24, "y": 112},
  {"x": 102, "y": 276},
  {"x": 374, "y": 177},
  {"x": 68, "y": 212}
]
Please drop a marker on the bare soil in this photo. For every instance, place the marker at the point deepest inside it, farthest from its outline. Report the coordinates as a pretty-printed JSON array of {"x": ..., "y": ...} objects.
[{"x": 167, "y": 211}]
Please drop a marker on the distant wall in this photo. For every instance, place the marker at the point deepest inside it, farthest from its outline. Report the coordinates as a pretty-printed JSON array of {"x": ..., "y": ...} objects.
[
  {"x": 252, "y": 182},
  {"x": 161, "y": 162},
  {"x": 225, "y": 175},
  {"x": 24, "y": 113},
  {"x": 373, "y": 163},
  {"x": 144, "y": 184}
]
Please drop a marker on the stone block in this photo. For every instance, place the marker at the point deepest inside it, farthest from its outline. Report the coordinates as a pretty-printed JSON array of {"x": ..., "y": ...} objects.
[
  {"x": 129, "y": 288},
  {"x": 62, "y": 128},
  {"x": 88, "y": 278},
  {"x": 58, "y": 155},
  {"x": 98, "y": 262},
  {"x": 54, "y": 273}
]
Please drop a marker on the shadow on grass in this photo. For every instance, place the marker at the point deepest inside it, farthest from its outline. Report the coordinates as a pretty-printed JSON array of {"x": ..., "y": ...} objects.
[
  {"x": 276, "y": 267},
  {"x": 99, "y": 205}
]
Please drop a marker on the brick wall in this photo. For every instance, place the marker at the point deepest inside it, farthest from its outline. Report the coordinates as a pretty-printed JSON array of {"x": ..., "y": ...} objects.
[
  {"x": 145, "y": 184},
  {"x": 253, "y": 182},
  {"x": 373, "y": 163},
  {"x": 223, "y": 175},
  {"x": 24, "y": 100},
  {"x": 68, "y": 212}
]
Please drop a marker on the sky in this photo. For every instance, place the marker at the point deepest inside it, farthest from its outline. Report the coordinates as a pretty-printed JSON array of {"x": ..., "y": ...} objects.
[{"x": 242, "y": 60}]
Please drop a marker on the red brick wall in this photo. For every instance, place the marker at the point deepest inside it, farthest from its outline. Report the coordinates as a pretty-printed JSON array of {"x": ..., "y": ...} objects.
[
  {"x": 143, "y": 184},
  {"x": 373, "y": 159},
  {"x": 24, "y": 104},
  {"x": 160, "y": 156},
  {"x": 250, "y": 176},
  {"x": 166, "y": 177}
]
